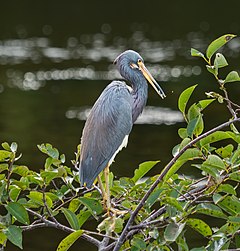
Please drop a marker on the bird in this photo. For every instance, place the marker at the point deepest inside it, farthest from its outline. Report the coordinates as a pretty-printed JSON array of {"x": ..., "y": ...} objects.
[{"x": 111, "y": 119}]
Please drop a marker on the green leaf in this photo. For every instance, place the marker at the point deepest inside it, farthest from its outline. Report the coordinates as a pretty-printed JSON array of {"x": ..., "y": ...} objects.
[
  {"x": 173, "y": 230},
  {"x": 235, "y": 176},
  {"x": 217, "y": 198},
  {"x": 21, "y": 170},
  {"x": 182, "y": 243},
  {"x": 226, "y": 188},
  {"x": 62, "y": 158},
  {"x": 218, "y": 43},
  {"x": 140, "y": 244},
  {"x": 184, "y": 143},
  {"x": 234, "y": 219},
  {"x": 4, "y": 155},
  {"x": 154, "y": 196},
  {"x": 184, "y": 97},
  {"x": 225, "y": 151},
  {"x": 220, "y": 61},
  {"x": 48, "y": 176},
  {"x": 49, "y": 150},
  {"x": 67, "y": 242},
  {"x": 93, "y": 205},
  {"x": 143, "y": 169},
  {"x": 172, "y": 202},
  {"x": 213, "y": 165},
  {"x": 175, "y": 150},
  {"x": 14, "y": 193},
  {"x": 37, "y": 198},
  {"x": 213, "y": 161},
  {"x": 234, "y": 129},
  {"x": 74, "y": 205},
  {"x": 174, "y": 169},
  {"x": 214, "y": 137},
  {"x": 200, "y": 226},
  {"x": 14, "y": 234},
  {"x": 82, "y": 217},
  {"x": 3, "y": 238},
  {"x": 195, "y": 126},
  {"x": 230, "y": 204},
  {"x": 189, "y": 154},
  {"x": 219, "y": 244},
  {"x": 3, "y": 167},
  {"x": 212, "y": 69},
  {"x": 210, "y": 209},
  {"x": 54, "y": 197},
  {"x": 199, "y": 126},
  {"x": 232, "y": 77},
  {"x": 118, "y": 225},
  {"x": 235, "y": 157},
  {"x": 237, "y": 241},
  {"x": 193, "y": 112},
  {"x": 205, "y": 103},
  {"x": 191, "y": 127},
  {"x": 71, "y": 218},
  {"x": 182, "y": 132},
  {"x": 6, "y": 146},
  {"x": 196, "y": 53},
  {"x": 18, "y": 211}
]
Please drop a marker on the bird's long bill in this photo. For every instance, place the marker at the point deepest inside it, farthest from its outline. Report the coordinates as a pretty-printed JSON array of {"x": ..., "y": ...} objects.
[{"x": 151, "y": 80}]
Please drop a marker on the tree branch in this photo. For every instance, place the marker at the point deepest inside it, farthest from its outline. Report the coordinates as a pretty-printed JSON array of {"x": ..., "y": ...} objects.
[
  {"x": 48, "y": 223},
  {"x": 160, "y": 178}
]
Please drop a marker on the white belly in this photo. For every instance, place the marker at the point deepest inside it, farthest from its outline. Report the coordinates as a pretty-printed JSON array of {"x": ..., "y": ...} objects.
[{"x": 124, "y": 144}]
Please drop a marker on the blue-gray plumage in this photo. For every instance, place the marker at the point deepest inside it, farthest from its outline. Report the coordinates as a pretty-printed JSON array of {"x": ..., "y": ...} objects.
[{"x": 112, "y": 116}]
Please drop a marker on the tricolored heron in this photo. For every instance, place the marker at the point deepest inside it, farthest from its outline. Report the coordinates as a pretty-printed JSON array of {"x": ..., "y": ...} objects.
[{"x": 112, "y": 117}]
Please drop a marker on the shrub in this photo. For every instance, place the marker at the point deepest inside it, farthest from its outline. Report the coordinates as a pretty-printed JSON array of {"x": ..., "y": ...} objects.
[{"x": 159, "y": 212}]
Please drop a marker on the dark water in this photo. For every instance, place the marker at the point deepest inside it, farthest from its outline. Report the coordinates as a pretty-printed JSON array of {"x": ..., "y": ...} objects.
[{"x": 56, "y": 58}]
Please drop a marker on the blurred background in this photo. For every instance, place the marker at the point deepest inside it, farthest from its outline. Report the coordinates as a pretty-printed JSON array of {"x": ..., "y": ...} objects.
[{"x": 56, "y": 58}]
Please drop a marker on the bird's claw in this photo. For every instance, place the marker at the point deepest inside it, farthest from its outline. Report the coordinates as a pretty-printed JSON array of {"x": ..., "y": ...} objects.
[
  {"x": 112, "y": 212},
  {"x": 115, "y": 211}
]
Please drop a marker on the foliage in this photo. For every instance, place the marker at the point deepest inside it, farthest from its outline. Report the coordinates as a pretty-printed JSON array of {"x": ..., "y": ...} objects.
[{"x": 160, "y": 212}]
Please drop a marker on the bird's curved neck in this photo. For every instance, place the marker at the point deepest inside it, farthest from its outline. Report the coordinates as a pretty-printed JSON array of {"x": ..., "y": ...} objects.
[{"x": 139, "y": 94}]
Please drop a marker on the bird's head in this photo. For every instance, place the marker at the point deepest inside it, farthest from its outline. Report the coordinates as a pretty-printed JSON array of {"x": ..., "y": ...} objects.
[{"x": 131, "y": 65}]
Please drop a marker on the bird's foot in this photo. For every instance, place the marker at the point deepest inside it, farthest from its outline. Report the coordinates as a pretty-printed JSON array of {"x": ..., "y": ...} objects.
[
  {"x": 115, "y": 211},
  {"x": 111, "y": 211}
]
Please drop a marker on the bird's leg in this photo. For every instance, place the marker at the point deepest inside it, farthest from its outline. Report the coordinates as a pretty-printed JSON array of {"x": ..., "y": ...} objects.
[
  {"x": 103, "y": 191},
  {"x": 106, "y": 195},
  {"x": 108, "y": 200},
  {"x": 111, "y": 211}
]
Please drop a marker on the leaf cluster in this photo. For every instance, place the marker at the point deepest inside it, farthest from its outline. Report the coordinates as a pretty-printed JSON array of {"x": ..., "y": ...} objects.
[{"x": 156, "y": 213}]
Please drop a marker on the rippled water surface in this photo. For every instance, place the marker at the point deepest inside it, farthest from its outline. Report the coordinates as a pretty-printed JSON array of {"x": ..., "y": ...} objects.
[{"x": 56, "y": 58}]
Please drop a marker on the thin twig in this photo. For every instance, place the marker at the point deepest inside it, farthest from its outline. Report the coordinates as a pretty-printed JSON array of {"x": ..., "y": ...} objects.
[
  {"x": 47, "y": 208},
  {"x": 229, "y": 103},
  {"x": 74, "y": 196},
  {"x": 58, "y": 225},
  {"x": 155, "y": 215},
  {"x": 10, "y": 165},
  {"x": 160, "y": 178},
  {"x": 99, "y": 234},
  {"x": 33, "y": 226}
]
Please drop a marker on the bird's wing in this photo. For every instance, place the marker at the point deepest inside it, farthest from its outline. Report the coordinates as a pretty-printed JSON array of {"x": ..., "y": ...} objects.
[{"x": 108, "y": 123}]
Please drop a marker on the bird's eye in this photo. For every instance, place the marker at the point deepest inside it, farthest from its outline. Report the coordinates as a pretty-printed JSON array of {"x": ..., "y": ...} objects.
[{"x": 139, "y": 60}]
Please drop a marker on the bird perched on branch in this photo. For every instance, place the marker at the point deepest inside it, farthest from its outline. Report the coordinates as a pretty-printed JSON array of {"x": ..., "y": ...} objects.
[{"x": 111, "y": 119}]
